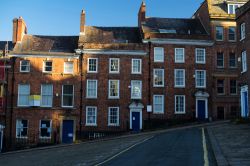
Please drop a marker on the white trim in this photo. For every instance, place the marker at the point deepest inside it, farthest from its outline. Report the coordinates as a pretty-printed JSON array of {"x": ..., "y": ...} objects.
[
  {"x": 184, "y": 78},
  {"x": 72, "y": 99},
  {"x": 130, "y": 114},
  {"x": 40, "y": 137},
  {"x": 183, "y": 59},
  {"x": 161, "y": 49},
  {"x": 162, "y": 111},
  {"x": 114, "y": 72},
  {"x": 69, "y": 62},
  {"x": 242, "y": 29},
  {"x": 163, "y": 78},
  {"x": 114, "y": 97},
  {"x": 200, "y": 62},
  {"x": 244, "y": 61},
  {"x": 96, "y": 91},
  {"x": 132, "y": 64},
  {"x": 180, "y": 41},
  {"x": 206, "y": 106},
  {"x": 242, "y": 100},
  {"x": 118, "y": 117},
  {"x": 96, "y": 66},
  {"x": 43, "y": 56},
  {"x": 91, "y": 124},
  {"x": 205, "y": 79},
  {"x": 26, "y": 137},
  {"x": 19, "y": 97},
  {"x": 42, "y": 96},
  {"x": 1, "y": 138},
  {"x": 216, "y": 33},
  {"x": 44, "y": 66},
  {"x": 131, "y": 91},
  {"x": 184, "y": 104},
  {"x": 21, "y": 67},
  {"x": 234, "y": 34},
  {"x": 114, "y": 52}
]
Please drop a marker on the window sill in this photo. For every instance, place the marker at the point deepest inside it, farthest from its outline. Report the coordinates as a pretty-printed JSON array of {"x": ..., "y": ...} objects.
[
  {"x": 136, "y": 73},
  {"x": 201, "y": 63},
  {"x": 68, "y": 107},
  {"x": 113, "y": 125},
  {"x": 155, "y": 86},
  {"x": 180, "y": 113},
  {"x": 159, "y": 113},
  {"x": 91, "y": 97},
  {"x": 24, "y": 71},
  {"x": 21, "y": 137},
  {"x": 113, "y": 98},
  {"x": 92, "y": 72},
  {"x": 179, "y": 87},
  {"x": 91, "y": 125},
  {"x": 199, "y": 87}
]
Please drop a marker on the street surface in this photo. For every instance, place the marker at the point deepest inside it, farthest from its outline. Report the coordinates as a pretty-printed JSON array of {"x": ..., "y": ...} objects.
[{"x": 187, "y": 147}]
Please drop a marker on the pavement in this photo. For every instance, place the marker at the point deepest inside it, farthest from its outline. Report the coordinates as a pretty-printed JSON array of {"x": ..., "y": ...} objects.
[{"x": 231, "y": 143}]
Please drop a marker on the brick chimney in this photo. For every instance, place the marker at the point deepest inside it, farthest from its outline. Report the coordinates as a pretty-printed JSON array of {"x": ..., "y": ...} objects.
[
  {"x": 142, "y": 14},
  {"x": 82, "y": 23},
  {"x": 19, "y": 30}
]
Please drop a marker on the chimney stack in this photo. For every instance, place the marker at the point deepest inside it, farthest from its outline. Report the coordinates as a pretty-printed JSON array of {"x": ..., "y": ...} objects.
[
  {"x": 19, "y": 30},
  {"x": 142, "y": 14},
  {"x": 82, "y": 23}
]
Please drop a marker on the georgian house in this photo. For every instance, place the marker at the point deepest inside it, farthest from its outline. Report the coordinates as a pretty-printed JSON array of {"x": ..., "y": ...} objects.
[{"x": 117, "y": 79}]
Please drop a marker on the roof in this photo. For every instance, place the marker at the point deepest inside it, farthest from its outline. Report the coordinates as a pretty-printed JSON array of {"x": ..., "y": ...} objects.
[
  {"x": 93, "y": 34},
  {"x": 243, "y": 9},
  {"x": 36, "y": 43},
  {"x": 3, "y": 45},
  {"x": 174, "y": 26},
  {"x": 220, "y": 8}
]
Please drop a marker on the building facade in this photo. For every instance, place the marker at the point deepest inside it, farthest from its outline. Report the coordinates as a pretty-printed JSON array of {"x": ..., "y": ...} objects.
[
  {"x": 115, "y": 79},
  {"x": 243, "y": 50}
]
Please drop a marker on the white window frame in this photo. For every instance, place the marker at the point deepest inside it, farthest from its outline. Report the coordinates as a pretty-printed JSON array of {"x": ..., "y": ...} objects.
[
  {"x": 221, "y": 53},
  {"x": 132, "y": 86},
  {"x": 50, "y": 128},
  {"x": 114, "y": 97},
  {"x": 229, "y": 33},
  {"x": 244, "y": 61},
  {"x": 118, "y": 116},
  {"x": 132, "y": 66},
  {"x": 196, "y": 82},
  {"x": 162, "y": 104},
  {"x": 163, "y": 77},
  {"x": 25, "y": 137},
  {"x": 183, "y": 55},
  {"x": 47, "y": 95},
  {"x": 95, "y": 109},
  {"x": 234, "y": 8},
  {"x": 87, "y": 89},
  {"x": 96, "y": 65},
  {"x": 44, "y": 66},
  {"x": 115, "y": 72},
  {"x": 222, "y": 33},
  {"x": 242, "y": 31},
  {"x": 175, "y": 77},
  {"x": 18, "y": 98},
  {"x": 184, "y": 104},
  {"x": 28, "y": 66},
  {"x": 64, "y": 69},
  {"x": 73, "y": 95},
  {"x": 204, "y": 56},
  {"x": 161, "y": 59}
]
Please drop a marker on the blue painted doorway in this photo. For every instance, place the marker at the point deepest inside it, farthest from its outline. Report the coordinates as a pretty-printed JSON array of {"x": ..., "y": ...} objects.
[
  {"x": 136, "y": 121},
  {"x": 245, "y": 103},
  {"x": 201, "y": 109},
  {"x": 67, "y": 131}
]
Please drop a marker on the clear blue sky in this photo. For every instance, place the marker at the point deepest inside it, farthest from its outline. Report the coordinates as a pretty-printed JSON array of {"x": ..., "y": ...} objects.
[{"x": 62, "y": 17}]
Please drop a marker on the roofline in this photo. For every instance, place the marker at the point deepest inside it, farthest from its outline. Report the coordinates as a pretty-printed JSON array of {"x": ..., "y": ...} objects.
[
  {"x": 180, "y": 41},
  {"x": 112, "y": 52}
]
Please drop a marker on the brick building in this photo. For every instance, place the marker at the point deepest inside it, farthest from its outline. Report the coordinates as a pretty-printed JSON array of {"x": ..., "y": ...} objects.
[
  {"x": 218, "y": 17},
  {"x": 243, "y": 50},
  {"x": 116, "y": 79}
]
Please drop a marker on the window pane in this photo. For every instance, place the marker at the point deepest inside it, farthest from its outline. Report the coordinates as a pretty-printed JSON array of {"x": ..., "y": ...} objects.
[
  {"x": 23, "y": 94},
  {"x": 219, "y": 33},
  {"x": 231, "y": 33},
  {"x": 92, "y": 65},
  {"x": 220, "y": 86},
  {"x": 158, "y": 77},
  {"x": 158, "y": 54},
  {"x": 68, "y": 95},
  {"x": 136, "y": 66},
  {"x": 92, "y": 88},
  {"x": 45, "y": 128},
  {"x": 136, "y": 89},
  {"x": 200, "y": 55},
  {"x": 220, "y": 60},
  {"x": 114, "y": 88},
  {"x": 179, "y": 55},
  {"x": 158, "y": 104},
  {"x": 233, "y": 87},
  {"x": 232, "y": 60},
  {"x": 113, "y": 116},
  {"x": 114, "y": 65},
  {"x": 47, "y": 94},
  {"x": 68, "y": 67},
  {"x": 48, "y": 66}
]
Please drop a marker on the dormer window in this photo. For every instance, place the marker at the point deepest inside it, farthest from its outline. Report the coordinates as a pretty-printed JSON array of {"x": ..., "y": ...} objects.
[
  {"x": 232, "y": 8},
  {"x": 170, "y": 31}
]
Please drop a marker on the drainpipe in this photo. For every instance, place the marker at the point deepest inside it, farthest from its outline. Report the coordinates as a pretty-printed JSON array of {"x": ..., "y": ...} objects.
[
  {"x": 6, "y": 87},
  {"x": 149, "y": 78},
  {"x": 12, "y": 97}
]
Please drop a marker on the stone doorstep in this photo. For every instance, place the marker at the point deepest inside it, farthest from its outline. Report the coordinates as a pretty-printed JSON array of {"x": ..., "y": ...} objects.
[{"x": 120, "y": 137}]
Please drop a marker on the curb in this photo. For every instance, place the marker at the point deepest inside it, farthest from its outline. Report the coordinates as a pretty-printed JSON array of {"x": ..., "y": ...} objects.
[
  {"x": 119, "y": 137},
  {"x": 220, "y": 158}
]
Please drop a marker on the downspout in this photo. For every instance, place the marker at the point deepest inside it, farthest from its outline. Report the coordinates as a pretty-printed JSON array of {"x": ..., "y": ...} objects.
[
  {"x": 6, "y": 87},
  {"x": 81, "y": 93},
  {"x": 149, "y": 78},
  {"x": 12, "y": 97}
]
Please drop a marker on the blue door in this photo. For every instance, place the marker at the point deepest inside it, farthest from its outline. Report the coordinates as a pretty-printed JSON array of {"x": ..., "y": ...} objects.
[
  {"x": 1, "y": 141},
  {"x": 136, "y": 121},
  {"x": 67, "y": 131},
  {"x": 201, "y": 109},
  {"x": 246, "y": 104}
]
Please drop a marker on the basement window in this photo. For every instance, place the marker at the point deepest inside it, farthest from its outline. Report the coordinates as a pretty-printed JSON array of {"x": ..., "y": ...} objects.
[{"x": 45, "y": 129}]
